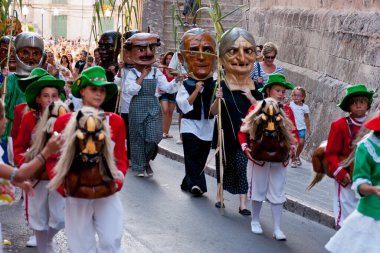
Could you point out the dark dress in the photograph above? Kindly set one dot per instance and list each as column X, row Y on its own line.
column 233, row 112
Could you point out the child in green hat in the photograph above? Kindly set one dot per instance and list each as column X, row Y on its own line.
column 11, row 175
column 343, row 131
column 361, row 230
column 268, row 177
column 88, row 216
column 44, row 208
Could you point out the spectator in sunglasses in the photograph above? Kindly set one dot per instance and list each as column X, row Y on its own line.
column 261, row 70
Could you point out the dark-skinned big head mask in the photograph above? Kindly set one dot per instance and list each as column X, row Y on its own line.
column 4, row 45
column 109, row 48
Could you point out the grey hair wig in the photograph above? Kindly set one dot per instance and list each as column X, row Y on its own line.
column 230, row 36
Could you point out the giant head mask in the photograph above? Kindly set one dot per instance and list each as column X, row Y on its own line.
column 237, row 51
column 142, row 47
column 127, row 53
column 29, row 48
column 109, row 48
column 198, row 50
column 4, row 45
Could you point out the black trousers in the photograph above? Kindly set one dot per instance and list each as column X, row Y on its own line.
column 196, row 152
column 126, row 122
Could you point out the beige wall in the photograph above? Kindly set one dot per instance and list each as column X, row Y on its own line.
column 322, row 49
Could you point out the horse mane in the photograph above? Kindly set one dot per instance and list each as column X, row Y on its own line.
column 68, row 152
column 44, row 128
column 362, row 134
column 255, row 119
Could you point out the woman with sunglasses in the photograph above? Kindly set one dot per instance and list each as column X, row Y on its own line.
column 261, row 70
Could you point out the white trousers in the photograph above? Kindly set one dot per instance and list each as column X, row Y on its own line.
column 45, row 208
column 267, row 182
column 344, row 202
column 87, row 217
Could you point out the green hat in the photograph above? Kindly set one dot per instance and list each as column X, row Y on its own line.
column 33, row 76
column 356, row 90
column 34, row 89
column 94, row 76
column 278, row 79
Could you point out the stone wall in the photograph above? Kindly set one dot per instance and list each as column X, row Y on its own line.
column 326, row 4
column 323, row 46
column 153, row 17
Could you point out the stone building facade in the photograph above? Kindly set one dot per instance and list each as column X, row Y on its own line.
column 323, row 46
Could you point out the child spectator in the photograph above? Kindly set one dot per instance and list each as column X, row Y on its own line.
column 191, row 7
column 301, row 113
column 356, row 102
column 89, row 62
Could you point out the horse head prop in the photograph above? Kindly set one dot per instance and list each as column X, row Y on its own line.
column 91, row 138
column 270, row 132
column 270, row 118
column 88, row 170
column 44, row 130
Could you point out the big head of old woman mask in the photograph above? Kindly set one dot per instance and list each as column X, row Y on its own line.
column 237, row 56
column 198, row 50
column 142, row 48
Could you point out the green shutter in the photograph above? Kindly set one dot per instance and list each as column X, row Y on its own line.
column 59, row 26
column 59, row 1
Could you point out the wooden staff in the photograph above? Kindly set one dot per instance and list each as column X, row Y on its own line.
column 220, row 139
column 120, row 91
column 4, row 87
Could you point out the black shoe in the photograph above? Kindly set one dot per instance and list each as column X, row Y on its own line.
column 219, row 205
column 184, row 187
column 149, row 170
column 196, row 190
column 244, row 211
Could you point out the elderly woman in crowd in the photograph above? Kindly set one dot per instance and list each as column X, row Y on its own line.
column 261, row 70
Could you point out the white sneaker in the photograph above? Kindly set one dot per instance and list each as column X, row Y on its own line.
column 293, row 164
column 256, row 228
column 140, row 174
column 179, row 142
column 32, row 241
column 279, row 235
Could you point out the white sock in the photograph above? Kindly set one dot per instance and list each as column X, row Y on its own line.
column 45, row 242
column 51, row 245
column 276, row 215
column 256, row 208
column 42, row 241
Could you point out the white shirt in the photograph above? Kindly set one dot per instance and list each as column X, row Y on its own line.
column 299, row 112
column 202, row 128
column 133, row 88
column 176, row 64
column 77, row 102
column 123, row 84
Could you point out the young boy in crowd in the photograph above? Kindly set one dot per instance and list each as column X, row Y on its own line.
column 89, row 62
